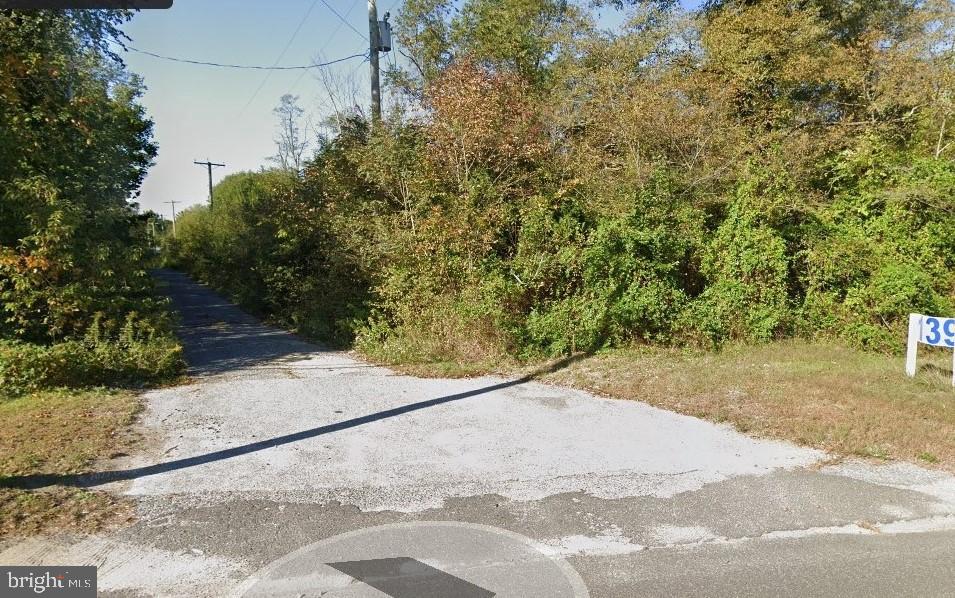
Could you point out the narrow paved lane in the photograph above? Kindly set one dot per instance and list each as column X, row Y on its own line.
column 277, row 444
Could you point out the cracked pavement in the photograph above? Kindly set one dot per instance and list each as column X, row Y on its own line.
column 276, row 443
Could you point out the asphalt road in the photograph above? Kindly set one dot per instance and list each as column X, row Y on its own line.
column 284, row 469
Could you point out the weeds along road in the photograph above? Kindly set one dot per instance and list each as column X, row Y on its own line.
column 276, row 445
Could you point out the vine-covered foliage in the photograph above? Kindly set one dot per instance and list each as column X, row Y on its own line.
column 74, row 146
column 753, row 170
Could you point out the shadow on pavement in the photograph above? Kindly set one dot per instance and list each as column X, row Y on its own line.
column 87, row 480
column 217, row 336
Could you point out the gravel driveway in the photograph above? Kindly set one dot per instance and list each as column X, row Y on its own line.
column 276, row 444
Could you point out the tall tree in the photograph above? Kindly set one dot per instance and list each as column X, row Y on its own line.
column 292, row 141
column 74, row 147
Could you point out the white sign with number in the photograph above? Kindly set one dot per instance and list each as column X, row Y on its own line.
column 929, row 330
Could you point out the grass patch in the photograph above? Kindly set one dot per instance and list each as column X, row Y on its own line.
column 826, row 396
column 62, row 432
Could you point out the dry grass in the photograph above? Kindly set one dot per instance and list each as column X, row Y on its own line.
column 826, row 396
column 445, row 368
column 61, row 432
column 25, row 513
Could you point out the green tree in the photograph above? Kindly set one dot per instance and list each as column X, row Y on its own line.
column 747, row 171
column 74, row 146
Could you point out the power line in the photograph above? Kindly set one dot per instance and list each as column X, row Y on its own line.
column 281, row 56
column 328, row 40
column 342, row 19
column 360, row 64
column 245, row 66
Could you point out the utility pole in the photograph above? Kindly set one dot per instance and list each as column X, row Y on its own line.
column 374, row 47
column 208, row 165
column 173, row 217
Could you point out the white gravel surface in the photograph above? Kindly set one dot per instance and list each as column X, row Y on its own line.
column 523, row 442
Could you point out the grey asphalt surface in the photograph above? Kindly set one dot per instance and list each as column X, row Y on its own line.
column 276, row 445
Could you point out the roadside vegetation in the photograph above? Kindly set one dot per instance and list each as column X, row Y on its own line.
column 78, row 312
column 749, row 172
column 818, row 394
column 718, row 181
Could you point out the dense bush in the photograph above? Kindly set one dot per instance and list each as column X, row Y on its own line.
column 745, row 266
column 134, row 358
column 884, row 248
column 77, row 305
column 629, row 276
column 747, row 172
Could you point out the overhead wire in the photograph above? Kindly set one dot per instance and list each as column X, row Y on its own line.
column 342, row 19
column 243, row 66
column 265, row 79
column 341, row 23
column 275, row 66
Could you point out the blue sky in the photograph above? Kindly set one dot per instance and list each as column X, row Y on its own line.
column 225, row 114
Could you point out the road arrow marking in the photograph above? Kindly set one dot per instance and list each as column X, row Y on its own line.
column 405, row 577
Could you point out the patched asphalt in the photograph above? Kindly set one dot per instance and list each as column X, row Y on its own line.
column 277, row 445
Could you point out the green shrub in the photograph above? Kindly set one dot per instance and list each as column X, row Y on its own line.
column 138, row 354
column 745, row 266
column 628, row 278
column 884, row 249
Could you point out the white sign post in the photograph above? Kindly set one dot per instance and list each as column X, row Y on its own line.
column 928, row 330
